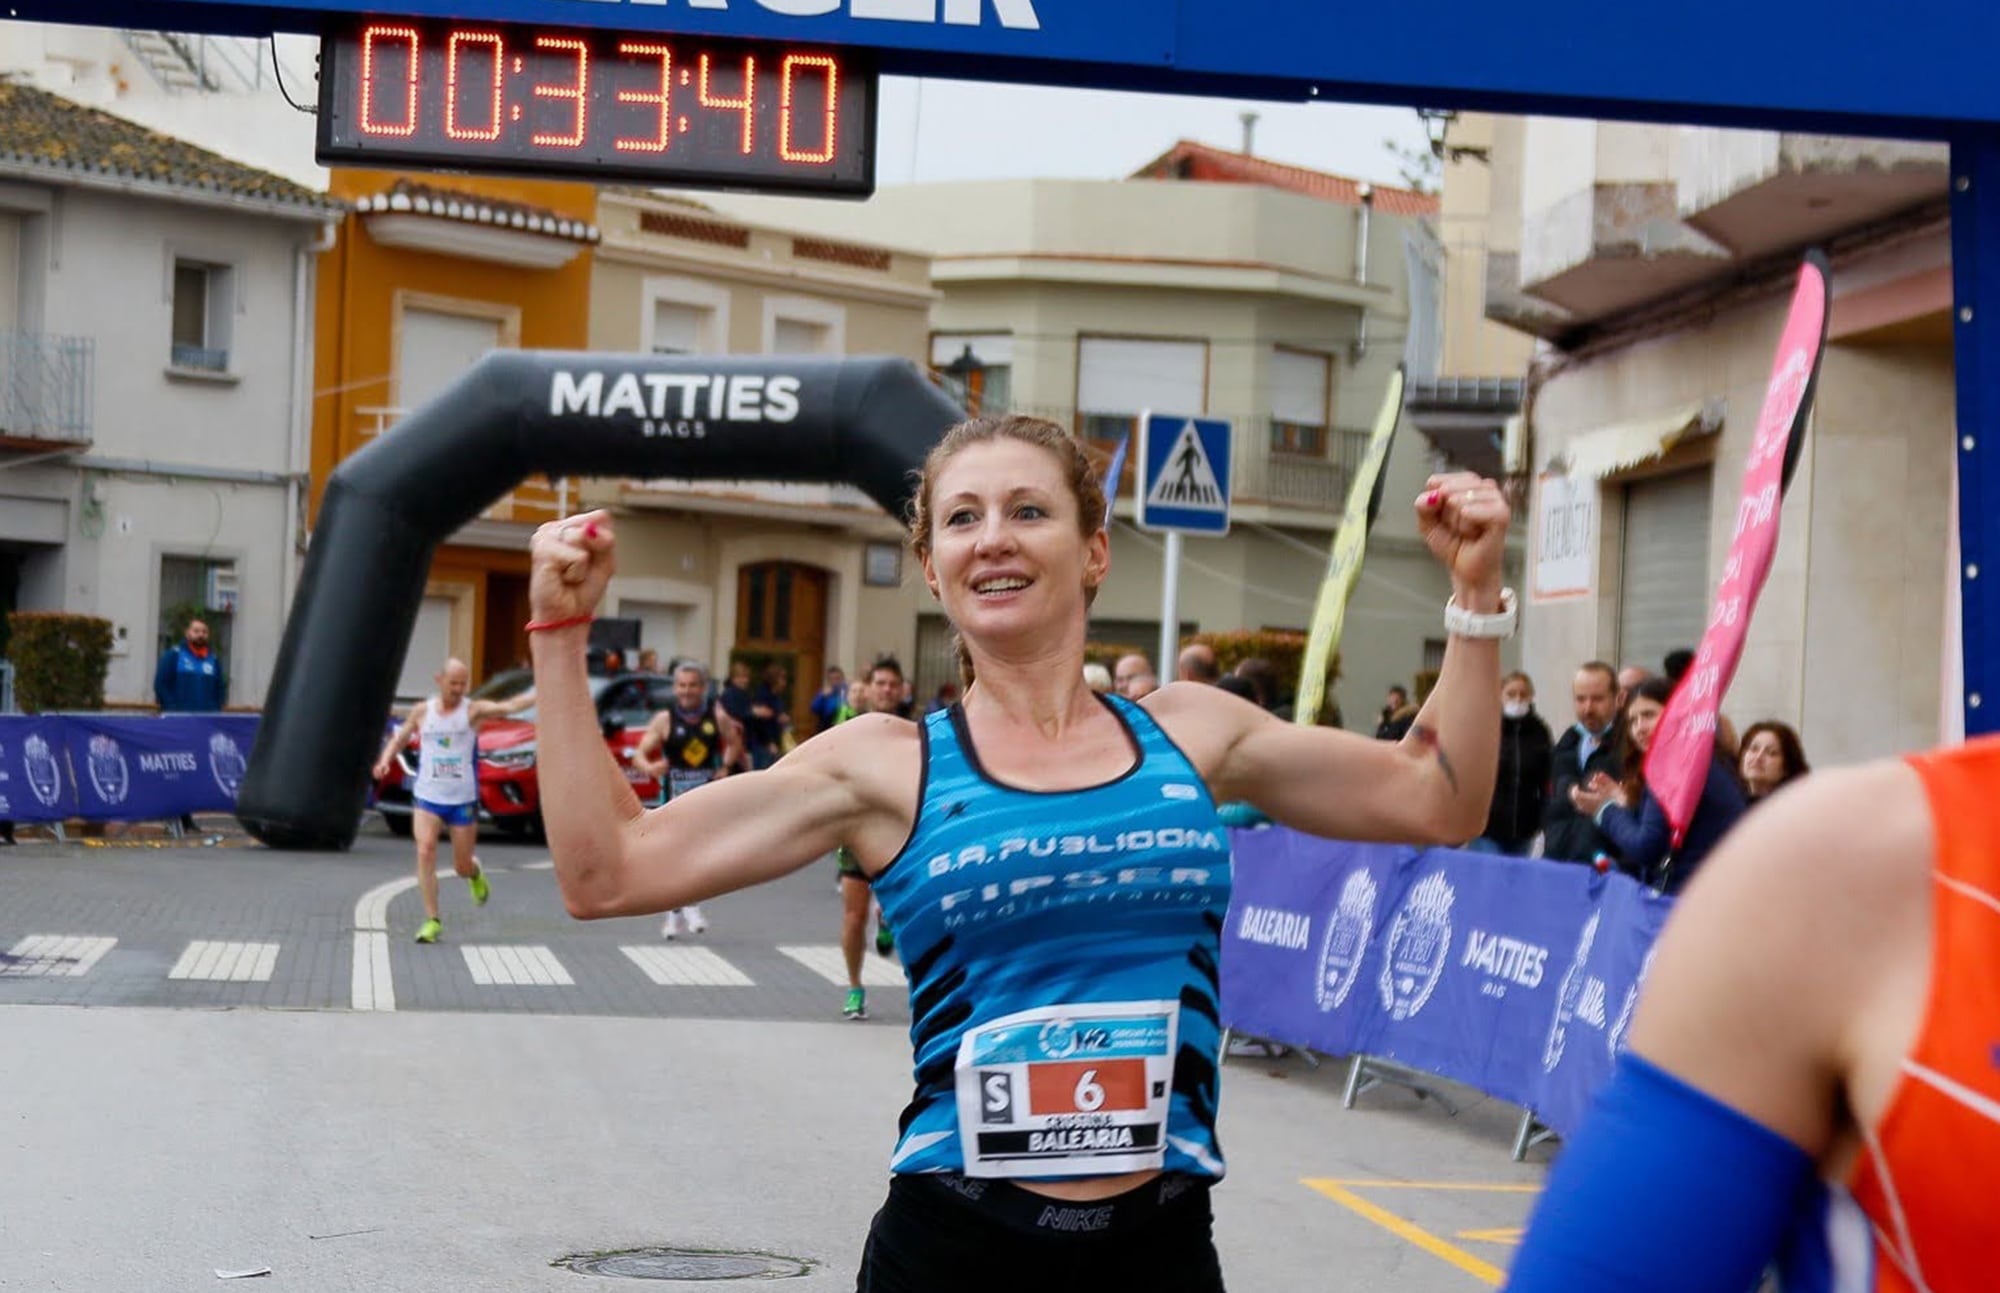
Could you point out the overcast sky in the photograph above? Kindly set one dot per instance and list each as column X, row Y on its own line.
column 953, row 130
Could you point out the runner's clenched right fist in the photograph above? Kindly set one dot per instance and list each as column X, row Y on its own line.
column 570, row 564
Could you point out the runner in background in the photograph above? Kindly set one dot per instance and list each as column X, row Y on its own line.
column 884, row 692
column 684, row 747
column 447, row 790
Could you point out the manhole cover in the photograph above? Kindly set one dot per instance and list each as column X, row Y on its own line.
column 681, row 1264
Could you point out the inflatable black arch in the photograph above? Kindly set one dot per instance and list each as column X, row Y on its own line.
column 863, row 422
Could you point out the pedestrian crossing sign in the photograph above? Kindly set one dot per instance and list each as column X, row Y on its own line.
column 1185, row 480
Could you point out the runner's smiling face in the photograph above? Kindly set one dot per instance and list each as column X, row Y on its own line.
column 1008, row 553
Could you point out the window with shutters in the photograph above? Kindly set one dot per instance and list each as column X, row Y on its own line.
column 1118, row 378
column 1663, row 594
column 1301, row 383
column 435, row 347
column 683, row 316
column 804, row 325
column 204, row 299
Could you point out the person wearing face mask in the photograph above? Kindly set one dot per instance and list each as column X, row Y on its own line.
column 1521, row 788
column 1634, row 820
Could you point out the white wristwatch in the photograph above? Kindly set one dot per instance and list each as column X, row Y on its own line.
column 1500, row 624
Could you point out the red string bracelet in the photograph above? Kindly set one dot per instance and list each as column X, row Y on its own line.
column 543, row 626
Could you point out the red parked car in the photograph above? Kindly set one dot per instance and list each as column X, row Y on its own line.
column 509, row 793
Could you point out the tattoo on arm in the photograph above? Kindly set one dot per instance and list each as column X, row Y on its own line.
column 1425, row 737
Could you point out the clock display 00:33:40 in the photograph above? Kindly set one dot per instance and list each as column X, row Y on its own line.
column 612, row 103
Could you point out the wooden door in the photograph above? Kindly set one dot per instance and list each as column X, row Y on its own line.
column 781, row 619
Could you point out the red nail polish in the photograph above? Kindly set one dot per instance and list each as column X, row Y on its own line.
column 591, row 530
column 1431, row 499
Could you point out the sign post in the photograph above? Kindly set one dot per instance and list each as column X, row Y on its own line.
column 1183, row 489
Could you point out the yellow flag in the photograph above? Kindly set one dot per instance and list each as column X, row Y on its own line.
column 1343, row 567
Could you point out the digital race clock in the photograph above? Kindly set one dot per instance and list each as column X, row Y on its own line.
column 651, row 107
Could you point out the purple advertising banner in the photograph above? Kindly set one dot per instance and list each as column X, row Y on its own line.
column 1515, row 976
column 35, row 785
column 103, row 767
column 143, row 768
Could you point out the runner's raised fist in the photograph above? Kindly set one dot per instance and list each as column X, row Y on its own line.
column 1464, row 518
column 570, row 562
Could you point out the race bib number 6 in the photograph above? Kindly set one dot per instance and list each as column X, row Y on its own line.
column 1068, row 1090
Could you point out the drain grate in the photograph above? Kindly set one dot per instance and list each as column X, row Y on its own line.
column 684, row 1264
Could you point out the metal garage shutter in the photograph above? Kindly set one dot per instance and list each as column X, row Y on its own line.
column 1664, row 601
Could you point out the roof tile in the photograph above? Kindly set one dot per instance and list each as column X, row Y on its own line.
column 1202, row 163
column 47, row 132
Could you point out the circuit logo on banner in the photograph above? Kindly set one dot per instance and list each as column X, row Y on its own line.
column 44, row 773
column 1184, row 480
column 1347, row 938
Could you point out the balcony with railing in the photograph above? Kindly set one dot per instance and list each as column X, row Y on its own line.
column 47, row 384
column 534, row 501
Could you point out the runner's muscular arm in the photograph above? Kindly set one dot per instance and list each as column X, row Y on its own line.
column 1328, row 782
column 403, row 732
column 1433, row 787
column 728, row 835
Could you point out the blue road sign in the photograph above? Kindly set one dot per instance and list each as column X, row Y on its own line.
column 1184, row 480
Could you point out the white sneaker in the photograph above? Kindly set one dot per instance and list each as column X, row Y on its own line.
column 672, row 925
column 696, row 922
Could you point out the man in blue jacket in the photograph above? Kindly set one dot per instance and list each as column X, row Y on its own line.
column 190, row 680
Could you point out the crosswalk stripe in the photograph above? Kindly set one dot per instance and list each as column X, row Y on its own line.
column 824, row 959
column 222, row 962
column 518, row 966
column 687, row 967
column 47, row 956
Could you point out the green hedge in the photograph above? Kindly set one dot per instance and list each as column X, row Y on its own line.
column 59, row 660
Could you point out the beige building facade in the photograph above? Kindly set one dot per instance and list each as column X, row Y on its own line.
column 1656, row 265
column 805, row 576
column 1088, row 302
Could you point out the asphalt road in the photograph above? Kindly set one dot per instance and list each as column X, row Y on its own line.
column 457, row 1117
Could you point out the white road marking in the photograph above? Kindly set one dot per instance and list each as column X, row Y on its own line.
column 824, row 959
column 520, row 966
column 373, row 988
column 226, row 962
column 54, row 956
column 546, row 864
column 687, row 967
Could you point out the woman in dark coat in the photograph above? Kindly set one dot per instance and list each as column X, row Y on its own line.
column 1521, row 788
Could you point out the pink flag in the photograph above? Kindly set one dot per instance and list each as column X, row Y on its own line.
column 1684, row 741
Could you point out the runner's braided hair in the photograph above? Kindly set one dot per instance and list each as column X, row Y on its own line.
column 1079, row 471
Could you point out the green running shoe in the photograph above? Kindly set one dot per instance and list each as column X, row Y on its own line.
column 481, row 890
column 428, row 931
column 857, row 1004
column 885, row 939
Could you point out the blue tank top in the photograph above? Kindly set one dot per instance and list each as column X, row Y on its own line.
column 1062, row 955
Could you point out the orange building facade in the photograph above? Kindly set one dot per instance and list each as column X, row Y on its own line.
column 425, row 278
